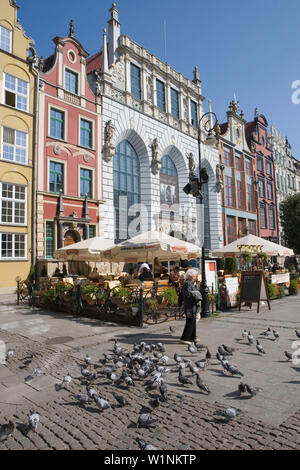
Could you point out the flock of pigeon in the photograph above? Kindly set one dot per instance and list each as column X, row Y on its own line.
column 147, row 364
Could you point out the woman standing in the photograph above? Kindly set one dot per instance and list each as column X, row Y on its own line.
column 191, row 299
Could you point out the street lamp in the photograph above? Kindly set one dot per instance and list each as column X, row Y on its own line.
column 207, row 123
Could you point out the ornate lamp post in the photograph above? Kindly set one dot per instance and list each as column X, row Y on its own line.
column 206, row 123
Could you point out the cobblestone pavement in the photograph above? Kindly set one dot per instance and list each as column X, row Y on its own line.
column 186, row 420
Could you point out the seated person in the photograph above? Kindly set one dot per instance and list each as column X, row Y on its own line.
column 165, row 275
column 129, row 277
column 174, row 275
column 157, row 268
column 146, row 275
column 94, row 275
column 58, row 273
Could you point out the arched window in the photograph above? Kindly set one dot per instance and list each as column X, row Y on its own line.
column 168, row 182
column 126, row 187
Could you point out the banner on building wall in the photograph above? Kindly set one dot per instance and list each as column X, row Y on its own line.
column 168, row 194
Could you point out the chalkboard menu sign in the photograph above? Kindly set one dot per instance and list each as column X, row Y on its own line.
column 253, row 288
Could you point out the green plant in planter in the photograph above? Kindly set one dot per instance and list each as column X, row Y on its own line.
column 151, row 304
column 101, row 297
column 120, row 295
column 281, row 292
column 170, row 297
column 89, row 289
column 294, row 288
column 272, row 289
column 230, row 265
column 49, row 296
column 63, row 288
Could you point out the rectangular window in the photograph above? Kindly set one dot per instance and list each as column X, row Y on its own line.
column 241, row 227
column 269, row 168
column 194, row 114
column 13, row 245
column 251, row 227
column 230, row 229
column 135, row 75
column 71, row 82
column 161, row 95
column 86, row 133
column 14, row 145
column 248, row 166
column 5, row 39
column 263, row 218
column 56, row 181
column 250, row 197
column 270, row 190
column 175, row 103
column 13, row 204
column 57, row 124
column 227, row 156
column 49, row 239
column 228, row 191
column 92, row 231
column 271, row 218
column 260, row 163
column 85, row 182
column 238, row 162
column 16, row 92
column 239, row 194
column 261, row 187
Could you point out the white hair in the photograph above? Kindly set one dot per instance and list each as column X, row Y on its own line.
column 191, row 273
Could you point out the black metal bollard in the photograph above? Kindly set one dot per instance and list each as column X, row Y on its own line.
column 141, row 307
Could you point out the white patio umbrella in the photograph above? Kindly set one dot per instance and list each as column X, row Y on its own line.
column 265, row 246
column 86, row 250
column 148, row 245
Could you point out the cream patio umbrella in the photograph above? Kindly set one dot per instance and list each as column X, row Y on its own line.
column 86, row 250
column 256, row 244
column 148, row 245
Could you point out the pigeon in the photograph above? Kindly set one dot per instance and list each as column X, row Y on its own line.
column 229, row 413
column 276, row 335
column 67, row 379
column 177, row 358
column 145, row 420
column 184, row 380
column 34, row 420
column 128, row 380
column 252, row 390
column 183, row 365
column 172, row 329
column 233, row 370
column 228, row 349
column 144, row 445
column 37, row 371
column 245, row 334
column 163, row 391
column 83, row 398
column 288, row 355
column 202, row 364
column 199, row 346
column 101, row 403
column 194, row 370
column 242, row 388
column 113, row 377
column 201, row 385
column 259, row 348
column 10, row 354
column 220, row 357
column 88, row 360
column 267, row 332
column 6, row 430
column 191, row 349
column 155, row 403
column 222, row 351
column 250, row 338
column 158, row 355
column 208, row 355
column 121, row 400
column 297, row 333
column 92, row 392
column 164, row 359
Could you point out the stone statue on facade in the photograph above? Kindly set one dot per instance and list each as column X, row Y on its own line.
column 219, row 177
column 192, row 165
column 71, row 30
column 156, row 163
column 109, row 149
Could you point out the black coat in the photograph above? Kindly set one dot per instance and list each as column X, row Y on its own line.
column 191, row 297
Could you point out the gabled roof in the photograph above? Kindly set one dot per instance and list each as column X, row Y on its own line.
column 59, row 40
column 94, row 62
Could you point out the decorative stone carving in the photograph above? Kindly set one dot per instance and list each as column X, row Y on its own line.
column 86, row 157
column 192, row 165
column 117, row 71
column 109, row 149
column 185, row 109
column 71, row 30
column 57, row 149
column 156, row 163
column 149, row 84
column 219, row 178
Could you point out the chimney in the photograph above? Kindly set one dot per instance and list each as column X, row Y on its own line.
column 113, row 35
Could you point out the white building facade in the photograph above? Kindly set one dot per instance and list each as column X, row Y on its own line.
column 150, row 119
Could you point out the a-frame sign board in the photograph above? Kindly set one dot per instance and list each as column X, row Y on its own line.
column 253, row 288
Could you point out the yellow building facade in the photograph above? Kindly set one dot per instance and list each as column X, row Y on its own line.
column 18, row 84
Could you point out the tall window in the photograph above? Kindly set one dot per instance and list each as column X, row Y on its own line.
column 86, row 133
column 270, row 190
column 14, row 145
column 250, row 197
column 168, row 181
column 227, row 156
column 13, row 204
column 263, row 216
column 5, row 39
column 126, row 187
column 71, row 81
column 230, row 229
column 251, row 227
column 161, row 95
column 228, row 191
column 56, row 182
column 135, row 75
column 261, row 187
column 49, row 239
column 16, row 92
column 57, row 124
column 271, row 218
column 241, row 226
column 260, row 163
column 269, row 168
column 86, row 182
column 13, row 245
column 194, row 114
column 238, row 162
column 92, row 231
column 175, row 103
column 239, row 194
column 248, row 166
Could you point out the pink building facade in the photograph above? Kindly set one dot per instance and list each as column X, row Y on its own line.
column 69, row 169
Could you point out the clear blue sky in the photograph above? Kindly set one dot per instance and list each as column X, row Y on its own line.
column 247, row 48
